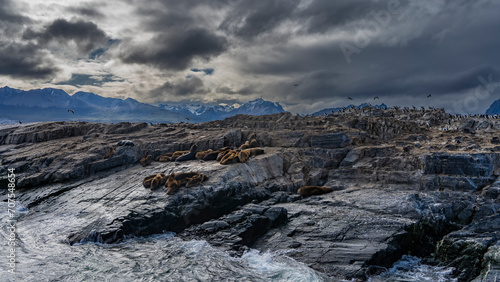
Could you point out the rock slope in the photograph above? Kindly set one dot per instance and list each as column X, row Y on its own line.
column 418, row 182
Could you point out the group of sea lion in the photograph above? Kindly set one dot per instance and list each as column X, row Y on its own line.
column 173, row 181
column 225, row 155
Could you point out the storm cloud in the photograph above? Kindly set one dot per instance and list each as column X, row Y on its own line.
column 176, row 51
column 85, row 34
column 305, row 54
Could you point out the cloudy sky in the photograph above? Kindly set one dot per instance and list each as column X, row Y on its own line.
column 305, row 54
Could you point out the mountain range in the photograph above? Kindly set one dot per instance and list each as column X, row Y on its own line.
column 51, row 104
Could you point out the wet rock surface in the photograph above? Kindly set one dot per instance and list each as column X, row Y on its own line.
column 404, row 182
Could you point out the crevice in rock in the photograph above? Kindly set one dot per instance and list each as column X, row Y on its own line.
column 421, row 239
column 183, row 212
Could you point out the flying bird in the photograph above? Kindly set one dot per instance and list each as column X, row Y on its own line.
column 376, row 97
column 349, row 98
column 430, row 95
column 20, row 122
column 187, row 118
column 71, row 111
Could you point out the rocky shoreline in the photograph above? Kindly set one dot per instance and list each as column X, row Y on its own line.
column 416, row 182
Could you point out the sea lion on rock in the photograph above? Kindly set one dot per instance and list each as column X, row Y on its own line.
column 147, row 181
column 307, row 191
column 202, row 154
column 212, row 156
column 189, row 156
column 179, row 153
column 195, row 180
column 254, row 143
column 110, row 153
column 245, row 145
column 159, row 180
column 176, row 180
column 222, row 154
column 247, row 153
column 230, row 157
column 146, row 160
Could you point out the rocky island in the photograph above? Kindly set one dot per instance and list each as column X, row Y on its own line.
column 417, row 182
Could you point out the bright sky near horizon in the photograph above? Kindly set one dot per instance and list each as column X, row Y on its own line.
column 305, row 54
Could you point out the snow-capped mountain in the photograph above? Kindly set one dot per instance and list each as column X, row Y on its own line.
column 54, row 105
column 212, row 112
column 494, row 109
column 258, row 107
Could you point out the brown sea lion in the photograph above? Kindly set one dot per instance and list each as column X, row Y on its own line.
column 188, row 156
column 244, row 155
column 254, row 143
column 163, row 159
column 222, row 154
column 146, row 160
column 147, row 181
column 158, row 181
column 229, row 158
column 202, row 154
column 176, row 180
column 179, row 153
column 110, row 153
column 197, row 179
column 212, row 156
column 245, row 145
column 307, row 191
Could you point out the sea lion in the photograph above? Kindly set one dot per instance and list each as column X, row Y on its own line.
column 176, row 180
column 222, row 154
column 254, row 143
column 146, row 160
column 195, row 180
column 188, row 156
column 163, row 159
column 307, row 191
column 147, row 181
column 245, row 145
column 202, row 154
column 244, row 155
column 158, row 181
column 230, row 157
column 110, row 153
column 212, row 156
column 179, row 153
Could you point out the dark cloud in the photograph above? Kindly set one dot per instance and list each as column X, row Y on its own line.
column 208, row 71
column 87, row 35
column 251, row 18
column 78, row 79
column 8, row 14
column 324, row 15
column 10, row 20
column 179, row 89
column 25, row 61
column 247, row 90
column 176, row 51
column 86, row 11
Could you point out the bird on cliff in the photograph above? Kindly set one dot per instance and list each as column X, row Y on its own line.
column 71, row 111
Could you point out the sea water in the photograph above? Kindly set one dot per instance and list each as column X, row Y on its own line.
column 165, row 257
